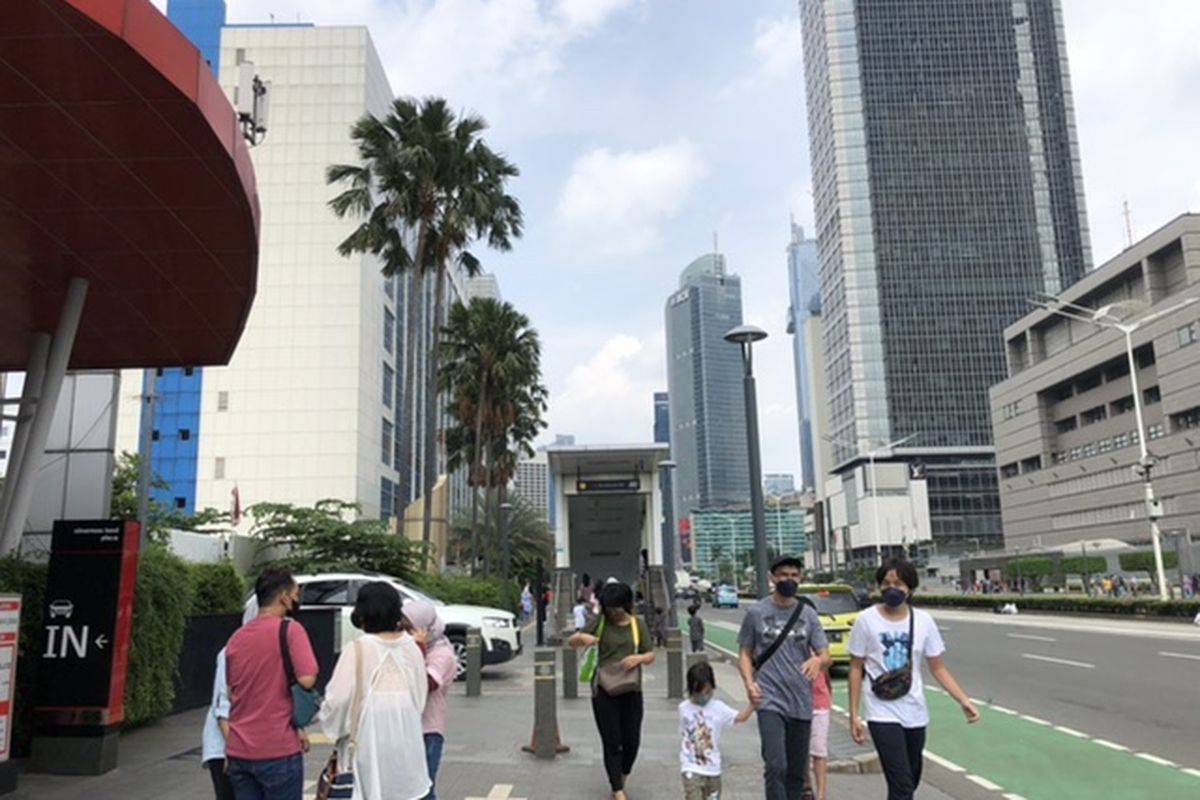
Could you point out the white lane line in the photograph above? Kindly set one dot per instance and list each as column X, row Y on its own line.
column 1071, row 732
column 838, row 708
column 729, row 626
column 985, row 783
column 944, row 763
column 1011, row 796
column 1004, row 710
column 1031, row 637
column 1111, row 745
column 1195, row 773
column 1064, row 661
column 1036, row 720
column 1156, row 760
column 1169, row 654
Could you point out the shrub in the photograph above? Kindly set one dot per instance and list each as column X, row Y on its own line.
column 1144, row 561
column 1079, row 565
column 215, row 589
column 1033, row 567
column 29, row 581
column 1141, row 607
column 161, row 604
column 490, row 592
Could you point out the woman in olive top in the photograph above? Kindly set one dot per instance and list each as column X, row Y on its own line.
column 624, row 646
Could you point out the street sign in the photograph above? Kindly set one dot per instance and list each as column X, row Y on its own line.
column 608, row 485
column 88, row 621
column 10, row 623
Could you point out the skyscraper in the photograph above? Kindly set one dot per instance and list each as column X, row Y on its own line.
column 804, row 290
column 704, row 382
column 947, row 190
column 662, row 417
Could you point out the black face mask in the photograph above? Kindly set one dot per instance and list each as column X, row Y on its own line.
column 787, row 588
column 291, row 608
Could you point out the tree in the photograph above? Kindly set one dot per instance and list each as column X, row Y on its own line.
column 530, row 538
column 427, row 170
column 124, row 503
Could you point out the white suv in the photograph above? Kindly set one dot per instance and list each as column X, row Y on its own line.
column 501, row 636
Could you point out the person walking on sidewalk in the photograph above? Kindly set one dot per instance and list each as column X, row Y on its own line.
column 701, row 720
column 778, row 669
column 264, row 750
column 216, row 725
column 819, row 742
column 695, row 629
column 441, row 665
column 887, row 643
column 375, row 699
column 624, row 646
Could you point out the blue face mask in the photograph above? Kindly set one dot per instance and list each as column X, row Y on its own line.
column 894, row 597
column 702, row 699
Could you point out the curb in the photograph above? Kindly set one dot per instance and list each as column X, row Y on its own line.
column 865, row 764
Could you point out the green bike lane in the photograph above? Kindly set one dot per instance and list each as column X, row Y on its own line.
column 1022, row 757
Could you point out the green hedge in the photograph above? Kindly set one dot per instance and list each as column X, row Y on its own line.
column 1141, row 607
column 215, row 589
column 1144, row 561
column 1034, row 567
column 161, row 604
column 491, row 592
column 29, row 581
column 1079, row 565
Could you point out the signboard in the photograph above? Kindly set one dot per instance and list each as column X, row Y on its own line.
column 87, row 624
column 608, row 485
column 10, row 623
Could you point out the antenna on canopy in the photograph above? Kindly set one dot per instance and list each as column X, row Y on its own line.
column 1128, row 222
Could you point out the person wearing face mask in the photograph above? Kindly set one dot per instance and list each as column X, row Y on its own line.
column 887, row 644
column 701, row 720
column 783, row 650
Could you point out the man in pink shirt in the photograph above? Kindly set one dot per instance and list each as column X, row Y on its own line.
column 264, row 751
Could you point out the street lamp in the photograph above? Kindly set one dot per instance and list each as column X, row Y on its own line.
column 665, row 467
column 1107, row 317
column 871, row 454
column 745, row 336
column 505, row 554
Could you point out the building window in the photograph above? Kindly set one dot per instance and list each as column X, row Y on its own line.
column 1031, row 464
column 1145, row 357
column 386, row 450
column 159, row 372
column 1012, row 409
column 185, row 435
column 389, row 330
column 189, row 371
column 387, row 499
column 1092, row 416
column 1088, row 382
column 389, row 384
column 1186, row 420
column 154, row 436
column 1189, row 334
column 181, row 502
column 1066, row 425
column 1122, row 406
column 1156, row 431
column 219, row 468
column 222, row 401
column 1009, row 470
column 1152, row 395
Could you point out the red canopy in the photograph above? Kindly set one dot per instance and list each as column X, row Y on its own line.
column 121, row 161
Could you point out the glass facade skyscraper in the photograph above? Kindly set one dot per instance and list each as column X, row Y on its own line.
column 804, row 290
column 947, row 191
column 704, row 382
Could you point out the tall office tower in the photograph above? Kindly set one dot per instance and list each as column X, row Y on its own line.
column 804, row 291
column 532, row 481
column 704, row 382
column 662, row 434
column 947, row 190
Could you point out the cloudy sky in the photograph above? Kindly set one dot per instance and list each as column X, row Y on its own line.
column 643, row 126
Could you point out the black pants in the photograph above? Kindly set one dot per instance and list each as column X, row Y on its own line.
column 619, row 720
column 220, row 779
column 698, row 645
column 901, row 753
column 785, row 754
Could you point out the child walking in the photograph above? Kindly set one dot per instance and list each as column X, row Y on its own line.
column 818, row 747
column 695, row 629
column 701, row 720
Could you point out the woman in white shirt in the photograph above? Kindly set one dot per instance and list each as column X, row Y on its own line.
column 888, row 642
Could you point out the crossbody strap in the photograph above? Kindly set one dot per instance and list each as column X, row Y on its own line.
column 286, row 651
column 356, row 703
column 912, row 639
column 779, row 640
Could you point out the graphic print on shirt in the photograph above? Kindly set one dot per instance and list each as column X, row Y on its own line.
column 895, row 650
column 698, row 740
column 773, row 626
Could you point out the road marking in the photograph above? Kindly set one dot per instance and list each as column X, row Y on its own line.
column 944, row 762
column 1169, row 654
column 501, row 791
column 1031, row 637
column 1071, row 732
column 729, row 626
column 1064, row 661
column 1140, row 629
column 838, row 708
column 1011, row 796
column 1036, row 720
column 985, row 783
column 1195, row 773
column 1003, row 710
column 1111, row 745
column 1156, row 760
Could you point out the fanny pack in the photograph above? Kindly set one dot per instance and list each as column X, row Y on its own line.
column 896, row 683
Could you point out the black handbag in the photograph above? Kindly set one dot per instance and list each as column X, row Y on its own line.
column 896, row 683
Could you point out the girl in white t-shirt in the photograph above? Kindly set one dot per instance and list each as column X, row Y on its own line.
column 701, row 720
column 889, row 638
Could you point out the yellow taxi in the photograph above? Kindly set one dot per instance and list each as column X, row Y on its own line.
column 837, row 606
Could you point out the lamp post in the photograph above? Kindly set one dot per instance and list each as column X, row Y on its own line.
column 871, row 454
column 665, row 467
column 505, row 549
column 745, row 336
column 1107, row 317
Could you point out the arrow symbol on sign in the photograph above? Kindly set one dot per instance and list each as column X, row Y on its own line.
column 101, row 640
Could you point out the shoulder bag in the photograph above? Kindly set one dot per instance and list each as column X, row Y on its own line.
column 335, row 783
column 305, row 702
column 591, row 657
column 614, row 679
column 896, row 683
column 765, row 656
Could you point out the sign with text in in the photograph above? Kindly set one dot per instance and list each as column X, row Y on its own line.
column 10, row 624
column 87, row 624
column 608, row 485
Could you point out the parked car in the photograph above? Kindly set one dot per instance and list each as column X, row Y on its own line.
column 725, row 596
column 500, row 633
column 838, row 607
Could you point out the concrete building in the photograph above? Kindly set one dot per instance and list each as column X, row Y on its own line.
column 724, row 538
column 485, row 285
column 704, row 381
column 947, row 191
column 532, row 481
column 779, row 484
column 804, row 290
column 1066, row 434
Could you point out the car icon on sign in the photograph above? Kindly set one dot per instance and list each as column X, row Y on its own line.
column 61, row 608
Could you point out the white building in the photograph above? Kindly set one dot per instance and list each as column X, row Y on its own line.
column 532, row 482
column 484, row 285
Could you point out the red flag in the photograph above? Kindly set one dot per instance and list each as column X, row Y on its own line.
column 236, row 513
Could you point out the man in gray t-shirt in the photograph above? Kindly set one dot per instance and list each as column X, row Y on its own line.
column 781, row 688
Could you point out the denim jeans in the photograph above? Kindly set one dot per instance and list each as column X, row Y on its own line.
column 276, row 779
column 433, row 759
column 901, row 756
column 785, row 754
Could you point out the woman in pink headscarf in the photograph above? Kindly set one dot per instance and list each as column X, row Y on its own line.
column 441, row 666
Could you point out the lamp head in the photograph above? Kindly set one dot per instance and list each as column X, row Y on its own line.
column 745, row 334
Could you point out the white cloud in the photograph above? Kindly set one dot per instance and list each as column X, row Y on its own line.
column 585, row 14
column 614, row 203
column 776, row 54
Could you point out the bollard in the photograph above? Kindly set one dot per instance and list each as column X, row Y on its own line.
column 474, row 662
column 570, row 673
column 545, row 712
column 674, row 664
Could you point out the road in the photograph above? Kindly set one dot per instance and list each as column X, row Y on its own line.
column 1073, row 708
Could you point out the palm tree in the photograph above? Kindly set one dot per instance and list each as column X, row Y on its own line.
column 425, row 171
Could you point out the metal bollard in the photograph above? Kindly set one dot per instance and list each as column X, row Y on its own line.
column 545, row 700
column 570, row 673
column 674, row 664
column 474, row 662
